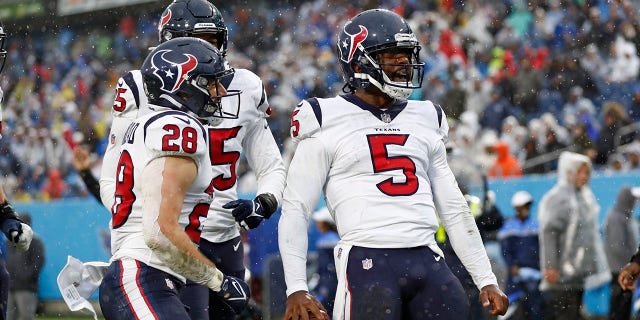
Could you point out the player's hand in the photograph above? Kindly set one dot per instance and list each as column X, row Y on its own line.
column 235, row 293
column 301, row 304
column 22, row 237
column 248, row 213
column 628, row 276
column 494, row 299
column 81, row 160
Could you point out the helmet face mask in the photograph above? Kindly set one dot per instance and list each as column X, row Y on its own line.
column 193, row 18
column 368, row 36
column 182, row 73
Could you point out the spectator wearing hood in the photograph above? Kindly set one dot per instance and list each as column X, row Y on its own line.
column 572, row 256
column 621, row 240
column 506, row 165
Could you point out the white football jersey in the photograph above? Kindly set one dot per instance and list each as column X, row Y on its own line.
column 129, row 102
column 228, row 140
column 157, row 134
column 373, row 166
column 385, row 178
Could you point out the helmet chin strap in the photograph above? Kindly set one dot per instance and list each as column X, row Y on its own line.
column 391, row 91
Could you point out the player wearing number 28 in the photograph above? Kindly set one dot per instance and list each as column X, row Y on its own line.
column 237, row 130
column 381, row 162
column 163, row 187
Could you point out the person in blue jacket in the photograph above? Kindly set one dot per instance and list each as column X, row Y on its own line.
column 519, row 241
column 325, row 290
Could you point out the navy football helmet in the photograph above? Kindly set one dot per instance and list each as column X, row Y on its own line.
column 188, row 18
column 367, row 35
column 178, row 74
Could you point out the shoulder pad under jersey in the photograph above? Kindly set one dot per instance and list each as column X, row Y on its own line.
column 129, row 95
column 174, row 133
column 252, row 88
column 306, row 119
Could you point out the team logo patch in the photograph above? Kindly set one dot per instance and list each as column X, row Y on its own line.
column 169, row 284
column 172, row 73
column 367, row 264
column 339, row 253
column 112, row 139
column 385, row 117
column 354, row 41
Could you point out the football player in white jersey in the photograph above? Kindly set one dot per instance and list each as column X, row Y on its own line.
column 16, row 231
column 381, row 162
column 164, row 188
column 240, row 130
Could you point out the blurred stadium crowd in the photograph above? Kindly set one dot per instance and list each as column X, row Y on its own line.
column 519, row 80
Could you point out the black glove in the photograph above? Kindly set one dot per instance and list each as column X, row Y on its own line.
column 235, row 293
column 250, row 213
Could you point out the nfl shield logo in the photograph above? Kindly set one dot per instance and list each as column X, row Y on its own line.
column 367, row 264
column 386, row 118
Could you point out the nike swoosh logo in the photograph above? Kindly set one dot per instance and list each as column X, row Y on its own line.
column 237, row 245
column 437, row 257
column 239, row 289
column 187, row 121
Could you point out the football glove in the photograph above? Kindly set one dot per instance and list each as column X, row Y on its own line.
column 13, row 228
column 235, row 293
column 250, row 213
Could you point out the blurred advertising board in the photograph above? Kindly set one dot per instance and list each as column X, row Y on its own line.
column 18, row 9
column 67, row 7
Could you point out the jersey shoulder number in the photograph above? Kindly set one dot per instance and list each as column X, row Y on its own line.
column 306, row 119
column 127, row 96
column 175, row 133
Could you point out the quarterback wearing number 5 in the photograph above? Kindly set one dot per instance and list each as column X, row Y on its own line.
column 380, row 160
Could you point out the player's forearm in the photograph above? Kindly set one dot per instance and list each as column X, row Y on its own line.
column 266, row 162
column 3, row 197
column 293, row 250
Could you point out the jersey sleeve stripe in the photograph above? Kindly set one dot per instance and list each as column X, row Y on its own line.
column 315, row 105
column 439, row 111
column 128, row 79
column 263, row 97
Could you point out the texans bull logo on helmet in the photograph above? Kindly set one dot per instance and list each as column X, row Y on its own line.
column 173, row 74
column 355, row 40
column 165, row 18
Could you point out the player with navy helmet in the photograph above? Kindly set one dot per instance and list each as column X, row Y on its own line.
column 381, row 162
column 164, row 188
column 241, row 128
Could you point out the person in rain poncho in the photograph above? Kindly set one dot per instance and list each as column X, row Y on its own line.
column 621, row 240
column 572, row 256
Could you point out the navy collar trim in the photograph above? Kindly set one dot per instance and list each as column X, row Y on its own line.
column 384, row 115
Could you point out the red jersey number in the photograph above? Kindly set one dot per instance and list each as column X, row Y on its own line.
column 124, row 196
column 219, row 156
column 383, row 162
column 119, row 103
column 194, row 228
column 295, row 124
column 187, row 138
